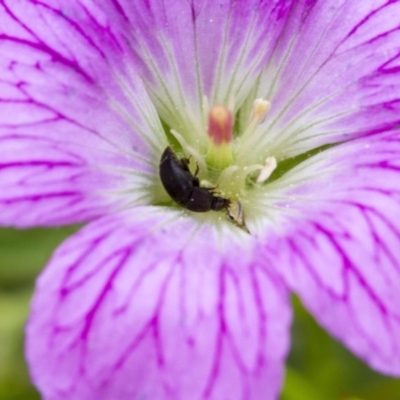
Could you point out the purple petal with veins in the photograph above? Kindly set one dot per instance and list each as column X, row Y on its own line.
column 185, row 320
column 187, row 49
column 151, row 301
column 73, row 138
column 340, row 250
column 334, row 74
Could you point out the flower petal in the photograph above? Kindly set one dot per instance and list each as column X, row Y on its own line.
column 72, row 131
column 341, row 241
column 131, row 307
column 335, row 74
column 187, row 49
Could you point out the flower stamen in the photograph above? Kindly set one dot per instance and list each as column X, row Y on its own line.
column 254, row 129
column 235, row 213
column 260, row 110
column 257, row 116
column 266, row 171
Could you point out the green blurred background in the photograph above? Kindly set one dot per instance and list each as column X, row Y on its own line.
column 318, row 368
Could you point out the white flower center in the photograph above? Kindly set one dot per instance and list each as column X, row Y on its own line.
column 225, row 157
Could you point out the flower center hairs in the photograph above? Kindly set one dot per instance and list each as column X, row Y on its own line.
column 217, row 174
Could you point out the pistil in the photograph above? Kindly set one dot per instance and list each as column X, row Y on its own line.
column 220, row 133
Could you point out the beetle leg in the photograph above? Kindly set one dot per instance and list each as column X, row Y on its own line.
column 185, row 163
column 197, row 170
column 195, row 179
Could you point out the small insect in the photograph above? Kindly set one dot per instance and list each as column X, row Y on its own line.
column 184, row 188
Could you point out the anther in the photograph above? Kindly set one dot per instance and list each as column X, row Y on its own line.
column 235, row 213
column 266, row 171
column 257, row 117
column 260, row 110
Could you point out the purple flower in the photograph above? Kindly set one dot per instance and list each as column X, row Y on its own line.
column 151, row 300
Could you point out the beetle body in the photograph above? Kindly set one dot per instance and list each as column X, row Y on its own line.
column 184, row 187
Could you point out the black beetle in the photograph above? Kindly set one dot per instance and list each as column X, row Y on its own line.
column 184, row 187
